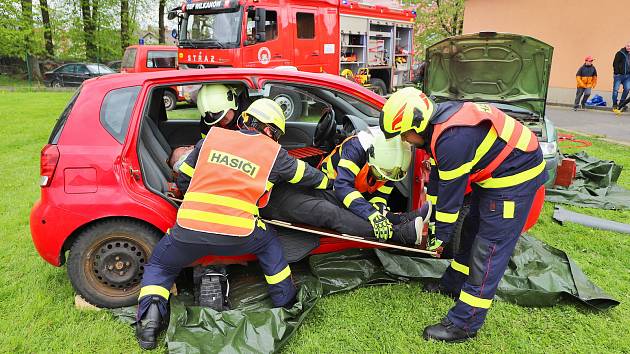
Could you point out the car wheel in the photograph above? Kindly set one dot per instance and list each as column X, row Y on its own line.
column 290, row 102
column 170, row 100
column 55, row 84
column 106, row 262
column 378, row 86
column 454, row 245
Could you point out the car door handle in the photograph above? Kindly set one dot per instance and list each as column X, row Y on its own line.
column 315, row 53
column 276, row 56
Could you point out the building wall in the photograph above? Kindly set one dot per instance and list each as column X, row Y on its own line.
column 575, row 28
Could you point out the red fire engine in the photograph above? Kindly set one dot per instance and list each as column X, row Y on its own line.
column 370, row 44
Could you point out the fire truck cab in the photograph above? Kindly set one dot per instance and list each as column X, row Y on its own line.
column 334, row 36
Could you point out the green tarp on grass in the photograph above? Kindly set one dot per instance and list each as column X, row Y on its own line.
column 595, row 185
column 537, row 275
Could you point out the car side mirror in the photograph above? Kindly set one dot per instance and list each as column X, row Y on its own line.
column 172, row 13
column 260, row 19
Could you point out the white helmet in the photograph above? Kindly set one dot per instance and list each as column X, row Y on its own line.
column 388, row 158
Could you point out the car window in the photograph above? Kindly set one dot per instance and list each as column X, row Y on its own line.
column 161, row 59
column 129, row 58
column 61, row 121
column 82, row 69
column 100, row 69
column 297, row 105
column 67, row 69
column 116, row 111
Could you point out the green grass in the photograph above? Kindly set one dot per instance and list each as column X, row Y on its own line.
column 37, row 301
column 17, row 82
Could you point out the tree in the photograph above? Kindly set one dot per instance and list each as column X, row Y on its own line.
column 50, row 51
column 29, row 42
column 89, row 11
column 161, row 21
column 124, row 24
column 436, row 20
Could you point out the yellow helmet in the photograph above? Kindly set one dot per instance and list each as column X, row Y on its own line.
column 214, row 101
column 405, row 110
column 265, row 111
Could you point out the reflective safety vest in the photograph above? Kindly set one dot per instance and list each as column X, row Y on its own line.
column 364, row 181
column 230, row 178
column 506, row 128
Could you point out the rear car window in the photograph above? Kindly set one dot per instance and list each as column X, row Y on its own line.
column 161, row 59
column 61, row 121
column 129, row 58
column 116, row 111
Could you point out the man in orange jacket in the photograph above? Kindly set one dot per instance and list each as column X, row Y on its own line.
column 586, row 78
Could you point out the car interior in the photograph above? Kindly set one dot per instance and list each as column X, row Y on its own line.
column 327, row 118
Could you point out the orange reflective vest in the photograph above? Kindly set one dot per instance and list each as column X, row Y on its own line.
column 364, row 181
column 512, row 132
column 230, row 178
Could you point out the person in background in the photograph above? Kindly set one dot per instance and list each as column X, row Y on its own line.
column 621, row 74
column 586, row 78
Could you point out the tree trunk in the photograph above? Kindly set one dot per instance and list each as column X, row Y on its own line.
column 50, row 51
column 88, row 30
column 161, row 28
column 124, row 24
column 27, row 31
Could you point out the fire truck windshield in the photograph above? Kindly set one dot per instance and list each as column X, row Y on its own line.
column 215, row 30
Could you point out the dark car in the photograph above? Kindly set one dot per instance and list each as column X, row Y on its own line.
column 74, row 74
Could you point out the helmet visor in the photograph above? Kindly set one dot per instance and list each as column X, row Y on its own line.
column 394, row 174
column 213, row 118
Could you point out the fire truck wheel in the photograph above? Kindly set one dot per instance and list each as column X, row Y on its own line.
column 378, row 86
column 170, row 100
column 290, row 102
column 107, row 261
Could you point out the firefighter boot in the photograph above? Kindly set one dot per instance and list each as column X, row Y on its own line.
column 148, row 327
column 424, row 212
column 410, row 233
column 447, row 331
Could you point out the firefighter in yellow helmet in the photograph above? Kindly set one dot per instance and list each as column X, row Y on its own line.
column 232, row 173
column 472, row 146
column 364, row 169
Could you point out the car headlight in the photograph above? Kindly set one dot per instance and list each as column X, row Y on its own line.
column 549, row 148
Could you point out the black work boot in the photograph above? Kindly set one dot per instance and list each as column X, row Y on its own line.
column 437, row 287
column 446, row 331
column 423, row 212
column 148, row 328
column 410, row 233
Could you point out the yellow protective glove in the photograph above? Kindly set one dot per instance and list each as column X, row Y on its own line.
column 383, row 229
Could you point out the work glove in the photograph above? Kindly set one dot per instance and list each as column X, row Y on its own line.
column 382, row 208
column 435, row 245
column 383, row 229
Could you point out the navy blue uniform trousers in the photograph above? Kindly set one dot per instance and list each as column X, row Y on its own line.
column 489, row 236
column 171, row 255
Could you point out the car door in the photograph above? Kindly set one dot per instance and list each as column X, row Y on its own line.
column 64, row 74
column 307, row 45
column 81, row 74
column 272, row 51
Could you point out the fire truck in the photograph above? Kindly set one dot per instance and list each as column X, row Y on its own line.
column 369, row 44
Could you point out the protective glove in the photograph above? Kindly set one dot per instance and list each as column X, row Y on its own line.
column 382, row 208
column 383, row 229
column 435, row 245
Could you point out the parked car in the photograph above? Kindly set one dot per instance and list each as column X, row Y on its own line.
column 115, row 65
column 74, row 74
column 508, row 70
column 146, row 58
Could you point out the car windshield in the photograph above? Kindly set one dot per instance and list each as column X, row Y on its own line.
column 212, row 30
column 99, row 68
column 361, row 106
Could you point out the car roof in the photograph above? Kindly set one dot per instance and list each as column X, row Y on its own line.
column 136, row 79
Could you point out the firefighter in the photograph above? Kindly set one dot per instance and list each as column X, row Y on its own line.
column 219, row 105
column 346, row 209
column 232, row 171
column 472, row 145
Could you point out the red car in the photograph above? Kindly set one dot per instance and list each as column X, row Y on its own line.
column 105, row 181
column 146, row 58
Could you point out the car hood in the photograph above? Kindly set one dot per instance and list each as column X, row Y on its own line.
column 491, row 67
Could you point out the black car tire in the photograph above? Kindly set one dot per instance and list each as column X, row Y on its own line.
column 106, row 262
column 378, row 86
column 170, row 100
column 55, row 84
column 290, row 102
column 454, row 245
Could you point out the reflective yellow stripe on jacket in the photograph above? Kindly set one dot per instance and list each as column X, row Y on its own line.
column 481, row 151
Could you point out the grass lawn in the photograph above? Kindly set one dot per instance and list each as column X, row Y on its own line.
column 37, row 300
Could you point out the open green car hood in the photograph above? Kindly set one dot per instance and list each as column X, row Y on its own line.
column 491, row 67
